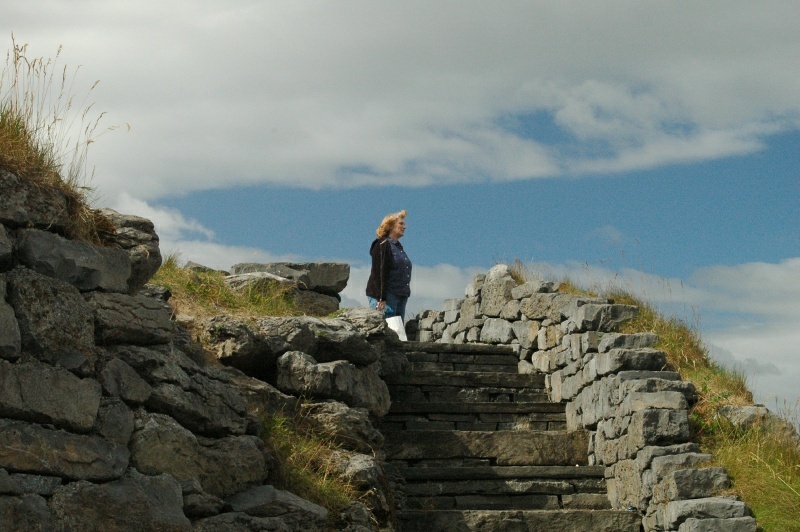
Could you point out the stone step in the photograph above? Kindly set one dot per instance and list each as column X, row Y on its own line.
column 502, row 472
column 477, row 408
column 503, row 447
column 466, row 366
column 472, row 394
column 474, row 422
column 466, row 358
column 472, row 348
column 520, row 520
column 508, row 501
column 533, row 381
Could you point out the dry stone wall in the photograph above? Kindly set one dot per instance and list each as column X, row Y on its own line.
column 110, row 419
column 616, row 386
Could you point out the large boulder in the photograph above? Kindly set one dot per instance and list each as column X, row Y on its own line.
column 301, row 374
column 56, row 325
column 124, row 319
column 323, row 277
column 135, row 502
column 138, row 238
column 349, row 427
column 34, row 449
column 40, row 393
column 267, row 501
column 496, row 290
column 80, row 264
column 223, row 466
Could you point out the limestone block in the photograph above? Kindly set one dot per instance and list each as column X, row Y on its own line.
column 510, row 310
column 324, row 277
column 451, row 316
column 654, row 385
column 124, row 319
column 266, row 501
column 474, row 288
column 473, row 334
column 744, row 416
column 205, row 406
column 657, row 427
column 545, row 306
column 82, row 265
column 590, row 341
column 676, row 512
column 23, row 203
column 626, row 341
column 426, row 336
column 153, row 365
column 737, row 524
column 691, row 484
column 602, row 317
column 530, row 288
column 526, row 368
column 148, row 503
column 636, row 401
column 548, row 337
column 300, row 374
column 35, row 449
column 120, row 380
column 56, row 325
column 496, row 290
column 40, row 393
column 314, row 303
column 114, row 421
column 254, row 281
column 137, row 236
column 349, row 427
column 629, row 359
column 223, row 466
column 425, row 324
column 10, row 339
column 527, row 333
column 497, row 331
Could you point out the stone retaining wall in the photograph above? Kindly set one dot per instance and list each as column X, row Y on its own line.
column 614, row 385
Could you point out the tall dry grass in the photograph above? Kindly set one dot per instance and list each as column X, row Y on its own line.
column 46, row 131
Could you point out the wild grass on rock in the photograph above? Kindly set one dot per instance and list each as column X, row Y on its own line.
column 305, row 464
column 45, row 134
column 205, row 294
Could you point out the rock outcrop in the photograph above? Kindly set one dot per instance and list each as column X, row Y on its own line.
column 108, row 421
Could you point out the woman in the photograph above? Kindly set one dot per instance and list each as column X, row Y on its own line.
column 388, row 287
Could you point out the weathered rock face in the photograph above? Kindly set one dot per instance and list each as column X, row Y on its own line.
column 323, row 277
column 255, row 350
column 55, row 323
column 82, row 265
column 301, row 374
column 138, row 238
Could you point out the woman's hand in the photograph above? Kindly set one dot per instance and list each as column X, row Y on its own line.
column 381, row 305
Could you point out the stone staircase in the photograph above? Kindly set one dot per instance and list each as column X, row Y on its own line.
column 482, row 448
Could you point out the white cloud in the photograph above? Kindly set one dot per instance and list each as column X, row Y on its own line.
column 318, row 94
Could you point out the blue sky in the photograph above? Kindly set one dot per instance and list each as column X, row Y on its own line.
column 652, row 145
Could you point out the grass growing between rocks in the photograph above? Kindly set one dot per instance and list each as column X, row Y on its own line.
column 39, row 118
column 205, row 294
column 305, row 465
column 763, row 461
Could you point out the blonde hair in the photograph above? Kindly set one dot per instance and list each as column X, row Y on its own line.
column 388, row 223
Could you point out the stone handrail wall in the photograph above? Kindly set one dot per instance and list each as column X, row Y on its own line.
column 615, row 386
